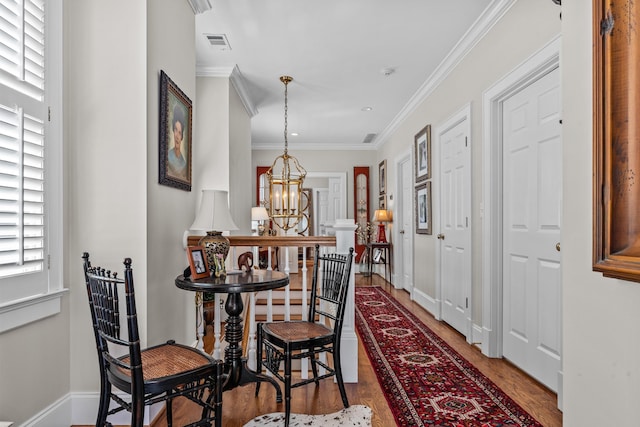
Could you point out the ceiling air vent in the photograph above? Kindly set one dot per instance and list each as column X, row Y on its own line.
column 370, row 137
column 218, row 41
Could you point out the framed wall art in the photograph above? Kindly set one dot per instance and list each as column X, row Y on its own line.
column 422, row 142
column 198, row 262
column 423, row 208
column 382, row 176
column 382, row 202
column 175, row 135
column 616, row 147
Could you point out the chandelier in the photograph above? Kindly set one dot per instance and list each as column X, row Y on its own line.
column 285, row 181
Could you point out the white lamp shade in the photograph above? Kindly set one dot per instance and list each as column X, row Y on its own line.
column 259, row 214
column 214, row 214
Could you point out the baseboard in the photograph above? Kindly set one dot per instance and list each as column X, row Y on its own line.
column 427, row 302
column 85, row 410
column 476, row 335
column 58, row 414
column 82, row 409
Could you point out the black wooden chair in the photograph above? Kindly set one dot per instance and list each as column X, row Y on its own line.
column 155, row 374
column 291, row 340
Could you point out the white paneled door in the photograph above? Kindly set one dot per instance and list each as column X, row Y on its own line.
column 532, row 212
column 405, row 275
column 455, row 231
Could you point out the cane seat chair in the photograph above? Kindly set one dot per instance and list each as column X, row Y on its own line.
column 151, row 375
column 285, row 341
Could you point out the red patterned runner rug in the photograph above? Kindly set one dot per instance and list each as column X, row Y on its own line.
column 425, row 381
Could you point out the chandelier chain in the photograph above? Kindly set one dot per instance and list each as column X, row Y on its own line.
column 286, row 114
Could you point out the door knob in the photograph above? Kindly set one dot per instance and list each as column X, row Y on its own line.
column 440, row 236
column 401, row 231
column 558, row 246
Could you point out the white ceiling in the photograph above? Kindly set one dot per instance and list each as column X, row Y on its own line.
column 337, row 52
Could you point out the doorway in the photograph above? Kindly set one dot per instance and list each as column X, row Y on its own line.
column 454, row 176
column 512, row 279
column 403, row 252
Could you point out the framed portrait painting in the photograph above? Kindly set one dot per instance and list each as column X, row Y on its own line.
column 382, row 177
column 175, row 135
column 423, row 208
column 422, row 142
column 198, row 262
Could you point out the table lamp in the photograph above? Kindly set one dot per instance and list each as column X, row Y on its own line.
column 260, row 215
column 214, row 218
column 381, row 216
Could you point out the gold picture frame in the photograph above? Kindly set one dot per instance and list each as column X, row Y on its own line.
column 175, row 135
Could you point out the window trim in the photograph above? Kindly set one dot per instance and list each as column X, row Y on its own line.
column 14, row 314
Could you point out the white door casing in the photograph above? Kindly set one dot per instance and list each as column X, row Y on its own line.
column 403, row 256
column 321, row 208
column 539, row 64
column 532, row 213
column 454, row 147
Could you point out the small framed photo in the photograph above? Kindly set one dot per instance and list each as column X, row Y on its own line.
column 175, row 135
column 382, row 202
column 377, row 256
column 382, row 176
column 423, row 208
column 198, row 262
column 422, row 154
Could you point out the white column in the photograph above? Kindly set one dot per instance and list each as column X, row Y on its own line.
column 345, row 239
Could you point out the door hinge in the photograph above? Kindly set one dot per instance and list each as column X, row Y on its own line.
column 467, row 221
column 49, row 113
column 48, row 262
column 467, row 302
column 466, row 141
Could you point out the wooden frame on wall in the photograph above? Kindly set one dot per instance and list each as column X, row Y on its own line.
column 422, row 154
column 175, row 135
column 382, row 177
column 423, row 208
column 616, row 148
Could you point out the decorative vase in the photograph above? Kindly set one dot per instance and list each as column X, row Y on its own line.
column 219, row 269
column 363, row 265
column 216, row 244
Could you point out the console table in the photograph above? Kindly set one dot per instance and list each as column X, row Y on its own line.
column 385, row 258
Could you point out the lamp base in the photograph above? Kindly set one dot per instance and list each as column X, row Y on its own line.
column 382, row 235
column 216, row 247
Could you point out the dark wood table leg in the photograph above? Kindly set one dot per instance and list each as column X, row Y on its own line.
column 235, row 365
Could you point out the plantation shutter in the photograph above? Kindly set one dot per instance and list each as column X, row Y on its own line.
column 22, row 124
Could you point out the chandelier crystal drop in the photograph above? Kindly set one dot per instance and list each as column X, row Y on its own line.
column 285, row 177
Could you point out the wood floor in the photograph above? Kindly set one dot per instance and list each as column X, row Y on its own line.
column 240, row 405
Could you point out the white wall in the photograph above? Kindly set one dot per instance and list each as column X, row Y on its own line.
column 106, row 155
column 499, row 52
column 170, row 46
column 601, row 316
column 241, row 199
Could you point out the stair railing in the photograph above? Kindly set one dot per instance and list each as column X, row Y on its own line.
column 342, row 237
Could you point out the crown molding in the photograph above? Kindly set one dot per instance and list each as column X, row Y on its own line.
column 237, row 80
column 489, row 18
column 313, row 147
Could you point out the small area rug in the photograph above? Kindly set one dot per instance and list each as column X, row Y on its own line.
column 425, row 381
column 353, row 416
